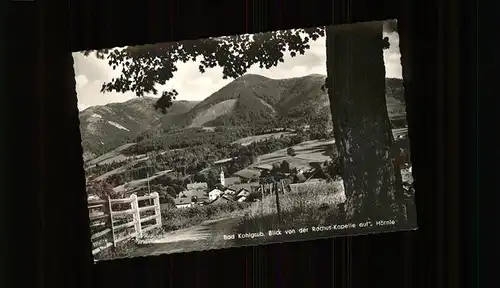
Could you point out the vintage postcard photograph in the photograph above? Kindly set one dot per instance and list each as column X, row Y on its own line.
column 245, row 140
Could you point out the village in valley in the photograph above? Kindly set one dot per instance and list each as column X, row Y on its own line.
column 307, row 163
column 239, row 187
column 281, row 171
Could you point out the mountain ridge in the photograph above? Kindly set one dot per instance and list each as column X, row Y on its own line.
column 243, row 102
column 106, row 127
column 275, row 97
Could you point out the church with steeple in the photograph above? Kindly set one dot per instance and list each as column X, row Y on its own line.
column 222, row 178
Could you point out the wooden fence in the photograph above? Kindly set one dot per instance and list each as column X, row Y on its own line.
column 114, row 225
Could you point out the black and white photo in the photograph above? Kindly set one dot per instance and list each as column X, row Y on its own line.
column 245, row 140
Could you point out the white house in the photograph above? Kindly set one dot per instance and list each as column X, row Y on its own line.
column 242, row 195
column 92, row 198
column 214, row 194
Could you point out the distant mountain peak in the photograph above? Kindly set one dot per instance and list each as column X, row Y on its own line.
column 251, row 78
column 251, row 75
column 256, row 78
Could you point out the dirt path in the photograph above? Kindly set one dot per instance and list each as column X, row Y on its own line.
column 206, row 235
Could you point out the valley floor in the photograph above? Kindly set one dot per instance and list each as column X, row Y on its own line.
column 315, row 206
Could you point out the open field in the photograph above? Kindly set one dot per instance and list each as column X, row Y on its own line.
column 250, row 139
column 217, row 110
column 139, row 183
column 116, row 156
column 120, row 169
column 316, row 205
column 307, row 152
column 314, row 151
column 112, row 156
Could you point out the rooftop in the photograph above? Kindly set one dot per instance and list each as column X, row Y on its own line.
column 197, row 186
column 243, row 193
column 247, row 186
column 200, row 194
column 221, row 199
column 264, row 167
column 182, row 201
column 316, row 180
column 215, row 191
column 223, row 161
column 232, row 180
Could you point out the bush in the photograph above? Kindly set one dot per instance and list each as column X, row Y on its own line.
column 332, row 167
column 254, row 196
column 102, row 189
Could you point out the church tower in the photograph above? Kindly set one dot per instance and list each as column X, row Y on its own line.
column 222, row 179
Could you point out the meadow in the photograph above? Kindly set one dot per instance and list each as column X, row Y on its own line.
column 178, row 218
column 311, row 205
column 256, row 138
column 306, row 152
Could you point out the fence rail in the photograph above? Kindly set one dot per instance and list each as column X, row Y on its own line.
column 114, row 223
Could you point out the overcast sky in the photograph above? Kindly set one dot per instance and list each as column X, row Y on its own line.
column 91, row 73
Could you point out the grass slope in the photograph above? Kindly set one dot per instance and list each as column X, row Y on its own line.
column 213, row 112
column 314, row 205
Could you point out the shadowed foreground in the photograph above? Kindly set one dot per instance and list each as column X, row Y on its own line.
column 206, row 235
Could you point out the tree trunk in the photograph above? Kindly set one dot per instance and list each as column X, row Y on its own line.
column 362, row 130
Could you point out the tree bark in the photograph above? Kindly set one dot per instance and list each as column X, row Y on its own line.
column 362, row 130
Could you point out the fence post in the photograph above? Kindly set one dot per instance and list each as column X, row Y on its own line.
column 278, row 208
column 137, row 216
column 156, row 201
column 109, row 210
